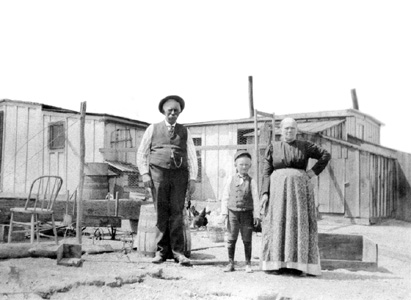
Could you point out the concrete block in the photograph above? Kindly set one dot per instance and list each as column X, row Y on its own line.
column 69, row 255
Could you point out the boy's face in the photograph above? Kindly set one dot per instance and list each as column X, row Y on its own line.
column 243, row 164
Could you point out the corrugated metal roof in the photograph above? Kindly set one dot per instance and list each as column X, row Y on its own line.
column 123, row 167
column 319, row 126
column 309, row 127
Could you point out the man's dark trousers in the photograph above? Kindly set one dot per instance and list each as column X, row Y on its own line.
column 170, row 187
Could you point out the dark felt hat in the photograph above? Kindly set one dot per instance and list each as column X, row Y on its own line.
column 172, row 97
column 240, row 153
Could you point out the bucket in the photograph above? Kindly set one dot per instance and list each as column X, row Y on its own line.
column 145, row 241
column 96, row 181
column 216, row 234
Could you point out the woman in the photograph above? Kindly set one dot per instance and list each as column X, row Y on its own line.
column 289, row 234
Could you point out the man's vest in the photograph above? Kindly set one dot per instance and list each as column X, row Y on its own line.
column 241, row 198
column 169, row 152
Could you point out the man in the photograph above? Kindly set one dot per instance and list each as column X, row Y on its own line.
column 167, row 162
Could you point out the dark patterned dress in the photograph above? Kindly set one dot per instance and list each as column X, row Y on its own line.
column 289, row 231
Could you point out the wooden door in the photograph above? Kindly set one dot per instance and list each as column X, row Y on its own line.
column 331, row 193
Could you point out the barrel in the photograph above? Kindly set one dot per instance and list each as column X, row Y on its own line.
column 145, row 241
column 187, row 234
column 95, row 181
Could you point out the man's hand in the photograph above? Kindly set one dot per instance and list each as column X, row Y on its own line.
column 257, row 222
column 148, row 183
column 224, row 220
column 191, row 186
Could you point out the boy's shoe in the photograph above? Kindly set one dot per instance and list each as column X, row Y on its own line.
column 248, row 269
column 184, row 261
column 158, row 259
column 230, row 267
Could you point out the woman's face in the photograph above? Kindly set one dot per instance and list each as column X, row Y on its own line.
column 289, row 130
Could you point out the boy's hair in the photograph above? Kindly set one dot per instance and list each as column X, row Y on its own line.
column 241, row 153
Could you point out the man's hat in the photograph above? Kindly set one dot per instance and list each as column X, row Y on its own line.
column 241, row 153
column 172, row 97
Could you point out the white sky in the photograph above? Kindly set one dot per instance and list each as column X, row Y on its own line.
column 122, row 57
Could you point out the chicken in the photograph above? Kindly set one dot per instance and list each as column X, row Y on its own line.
column 200, row 219
column 194, row 211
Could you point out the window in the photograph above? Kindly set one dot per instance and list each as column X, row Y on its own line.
column 56, row 136
column 133, row 180
column 197, row 142
column 242, row 137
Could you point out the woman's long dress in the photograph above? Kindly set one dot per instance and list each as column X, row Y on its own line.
column 289, row 231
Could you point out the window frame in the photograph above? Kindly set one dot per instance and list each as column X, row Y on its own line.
column 198, row 141
column 51, row 138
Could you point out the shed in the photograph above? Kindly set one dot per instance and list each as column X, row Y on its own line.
column 364, row 181
column 38, row 139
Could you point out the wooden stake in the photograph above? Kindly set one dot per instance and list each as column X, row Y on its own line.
column 256, row 150
column 82, row 157
column 354, row 100
column 250, row 95
column 117, row 205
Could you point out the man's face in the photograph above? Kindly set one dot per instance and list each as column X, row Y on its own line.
column 243, row 164
column 171, row 109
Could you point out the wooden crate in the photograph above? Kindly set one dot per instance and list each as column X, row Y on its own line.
column 343, row 251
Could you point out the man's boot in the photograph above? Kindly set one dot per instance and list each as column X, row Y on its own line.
column 247, row 251
column 231, row 252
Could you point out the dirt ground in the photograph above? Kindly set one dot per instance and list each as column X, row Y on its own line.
column 121, row 275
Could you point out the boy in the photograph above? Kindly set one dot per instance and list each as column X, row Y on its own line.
column 240, row 208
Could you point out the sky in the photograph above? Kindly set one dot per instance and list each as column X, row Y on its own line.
column 123, row 57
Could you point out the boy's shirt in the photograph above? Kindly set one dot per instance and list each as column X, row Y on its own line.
column 226, row 196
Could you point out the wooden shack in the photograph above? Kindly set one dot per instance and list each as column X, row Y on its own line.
column 364, row 180
column 38, row 139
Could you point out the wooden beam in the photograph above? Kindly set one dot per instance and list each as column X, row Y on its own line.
column 250, row 95
column 249, row 147
column 81, row 184
column 256, row 149
column 264, row 114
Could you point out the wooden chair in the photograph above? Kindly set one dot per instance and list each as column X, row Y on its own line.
column 44, row 190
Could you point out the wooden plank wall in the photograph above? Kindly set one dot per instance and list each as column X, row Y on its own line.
column 110, row 132
column 26, row 155
column 63, row 162
column 337, row 132
column 21, row 133
column 356, row 183
column 219, row 144
column 370, row 130
column 211, row 170
column 403, row 203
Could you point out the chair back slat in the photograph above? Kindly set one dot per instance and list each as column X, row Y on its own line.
column 44, row 190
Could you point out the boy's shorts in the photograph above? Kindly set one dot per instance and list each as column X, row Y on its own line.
column 240, row 221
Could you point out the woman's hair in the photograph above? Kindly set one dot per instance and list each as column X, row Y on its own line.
column 286, row 120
